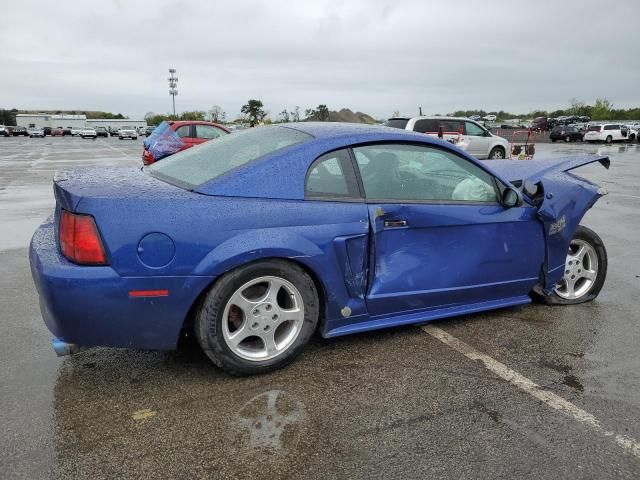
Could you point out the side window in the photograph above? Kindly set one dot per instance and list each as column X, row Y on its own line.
column 425, row 126
column 184, row 131
column 207, row 131
column 400, row 172
column 473, row 129
column 332, row 176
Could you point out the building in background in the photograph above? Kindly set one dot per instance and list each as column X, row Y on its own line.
column 41, row 120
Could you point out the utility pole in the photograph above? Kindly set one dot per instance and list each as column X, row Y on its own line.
column 420, row 110
column 173, row 88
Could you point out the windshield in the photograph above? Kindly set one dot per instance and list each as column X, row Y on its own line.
column 397, row 122
column 209, row 160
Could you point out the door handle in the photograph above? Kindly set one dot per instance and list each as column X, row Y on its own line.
column 395, row 223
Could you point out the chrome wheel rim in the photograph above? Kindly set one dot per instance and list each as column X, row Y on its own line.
column 263, row 318
column 497, row 155
column 580, row 271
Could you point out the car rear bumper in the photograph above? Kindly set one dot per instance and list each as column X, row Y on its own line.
column 93, row 306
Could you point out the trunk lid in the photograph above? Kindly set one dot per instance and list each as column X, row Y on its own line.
column 71, row 186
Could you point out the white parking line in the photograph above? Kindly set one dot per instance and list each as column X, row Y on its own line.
column 550, row 399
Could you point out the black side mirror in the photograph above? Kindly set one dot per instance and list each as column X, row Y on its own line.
column 510, row 197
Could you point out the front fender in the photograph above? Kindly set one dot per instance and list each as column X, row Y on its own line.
column 567, row 198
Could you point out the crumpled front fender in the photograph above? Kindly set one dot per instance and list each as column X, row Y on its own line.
column 567, row 199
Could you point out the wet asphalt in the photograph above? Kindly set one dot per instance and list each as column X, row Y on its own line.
column 390, row 404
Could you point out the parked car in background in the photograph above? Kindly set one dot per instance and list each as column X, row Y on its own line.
column 141, row 130
column 4, row 131
column 489, row 118
column 57, row 132
column 258, row 240
column 541, row 124
column 19, row 131
column 47, row 131
column 149, row 130
column 36, row 132
column 474, row 138
column 102, row 132
column 606, row 132
column 113, row 131
column 88, row 132
column 126, row 131
column 191, row 133
column 565, row 133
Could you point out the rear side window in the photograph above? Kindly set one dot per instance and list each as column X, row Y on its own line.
column 184, row 131
column 425, row 126
column 595, row 128
column 332, row 176
column 397, row 123
column 200, row 164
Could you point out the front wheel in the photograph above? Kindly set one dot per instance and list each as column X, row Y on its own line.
column 257, row 318
column 585, row 270
column 496, row 153
column 609, row 139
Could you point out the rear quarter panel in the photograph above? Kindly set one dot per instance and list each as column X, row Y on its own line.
column 213, row 235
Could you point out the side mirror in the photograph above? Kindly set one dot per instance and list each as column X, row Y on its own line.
column 510, row 197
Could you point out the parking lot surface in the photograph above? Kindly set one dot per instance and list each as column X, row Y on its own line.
column 404, row 403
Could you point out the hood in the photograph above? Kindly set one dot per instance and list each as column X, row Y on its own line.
column 534, row 170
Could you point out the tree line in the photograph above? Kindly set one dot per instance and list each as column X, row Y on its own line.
column 602, row 109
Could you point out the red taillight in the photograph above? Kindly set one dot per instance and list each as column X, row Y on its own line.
column 79, row 239
column 147, row 157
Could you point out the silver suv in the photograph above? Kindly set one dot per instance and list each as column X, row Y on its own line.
column 467, row 135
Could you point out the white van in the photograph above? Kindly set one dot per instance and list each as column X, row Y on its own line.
column 471, row 137
column 606, row 132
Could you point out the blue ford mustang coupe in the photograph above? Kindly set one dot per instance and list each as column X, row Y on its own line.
column 258, row 239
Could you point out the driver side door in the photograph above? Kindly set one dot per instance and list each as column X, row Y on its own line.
column 440, row 236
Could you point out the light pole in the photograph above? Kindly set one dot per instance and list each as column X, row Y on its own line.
column 173, row 88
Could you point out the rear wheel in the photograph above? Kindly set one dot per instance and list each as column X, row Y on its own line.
column 257, row 318
column 609, row 139
column 497, row 153
column 567, row 139
column 584, row 272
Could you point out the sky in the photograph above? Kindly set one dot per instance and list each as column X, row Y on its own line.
column 375, row 56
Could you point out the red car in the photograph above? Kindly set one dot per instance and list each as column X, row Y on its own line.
column 57, row 132
column 192, row 133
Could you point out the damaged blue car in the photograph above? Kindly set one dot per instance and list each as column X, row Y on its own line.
column 255, row 241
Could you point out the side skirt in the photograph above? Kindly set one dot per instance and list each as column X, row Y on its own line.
column 423, row 316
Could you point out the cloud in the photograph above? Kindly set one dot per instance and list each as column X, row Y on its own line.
column 372, row 56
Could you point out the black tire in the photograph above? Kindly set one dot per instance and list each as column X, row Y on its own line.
column 567, row 139
column 497, row 153
column 208, row 321
column 609, row 139
column 553, row 140
column 591, row 237
column 119, row 138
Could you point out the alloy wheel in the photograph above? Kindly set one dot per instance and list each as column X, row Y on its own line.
column 263, row 318
column 580, row 271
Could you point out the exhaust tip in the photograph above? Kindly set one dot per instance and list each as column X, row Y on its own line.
column 63, row 348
